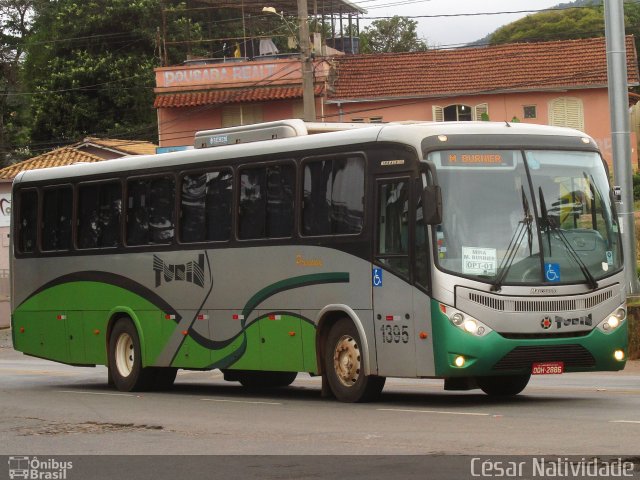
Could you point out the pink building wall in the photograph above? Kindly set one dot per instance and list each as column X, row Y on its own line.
column 177, row 126
column 501, row 107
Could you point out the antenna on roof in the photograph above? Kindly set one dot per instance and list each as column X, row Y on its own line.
column 507, row 124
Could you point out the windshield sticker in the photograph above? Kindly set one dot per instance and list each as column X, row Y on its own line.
column 442, row 247
column 609, row 255
column 479, row 261
column 532, row 162
column 552, row 272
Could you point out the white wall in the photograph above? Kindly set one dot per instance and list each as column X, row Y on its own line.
column 5, row 211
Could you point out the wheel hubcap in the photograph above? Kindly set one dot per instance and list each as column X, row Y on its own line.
column 346, row 360
column 125, row 355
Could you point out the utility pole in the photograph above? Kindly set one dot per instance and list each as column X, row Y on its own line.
column 620, row 134
column 308, row 94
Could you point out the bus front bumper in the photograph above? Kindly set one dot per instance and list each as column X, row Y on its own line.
column 461, row 354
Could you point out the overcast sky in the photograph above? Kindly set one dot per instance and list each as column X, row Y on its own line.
column 441, row 32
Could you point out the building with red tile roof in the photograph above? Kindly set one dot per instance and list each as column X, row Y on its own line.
column 557, row 83
column 560, row 83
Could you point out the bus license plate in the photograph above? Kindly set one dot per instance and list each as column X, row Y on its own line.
column 547, row 368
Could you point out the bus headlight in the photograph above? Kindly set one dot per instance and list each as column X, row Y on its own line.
column 613, row 321
column 465, row 322
column 457, row 319
column 471, row 325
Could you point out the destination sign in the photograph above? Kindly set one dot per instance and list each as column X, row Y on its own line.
column 482, row 158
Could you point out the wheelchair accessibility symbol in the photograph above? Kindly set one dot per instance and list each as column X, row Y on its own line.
column 376, row 277
column 552, row 272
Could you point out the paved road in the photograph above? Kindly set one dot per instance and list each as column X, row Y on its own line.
column 48, row 408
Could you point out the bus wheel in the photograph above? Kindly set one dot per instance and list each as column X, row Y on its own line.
column 506, row 386
column 266, row 380
column 125, row 359
column 343, row 365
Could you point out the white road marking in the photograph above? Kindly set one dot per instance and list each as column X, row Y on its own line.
column 625, row 421
column 238, row 401
column 441, row 412
column 37, row 372
column 98, row 393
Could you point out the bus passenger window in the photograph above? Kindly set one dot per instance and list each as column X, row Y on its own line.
column 28, row 219
column 150, row 211
column 333, row 196
column 219, row 202
column 206, row 207
column 252, row 204
column 99, row 210
column 280, row 187
column 56, row 219
column 192, row 208
column 266, row 202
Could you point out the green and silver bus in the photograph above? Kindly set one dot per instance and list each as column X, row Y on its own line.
column 478, row 253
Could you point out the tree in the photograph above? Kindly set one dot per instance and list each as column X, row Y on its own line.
column 90, row 67
column 554, row 25
column 397, row 34
column 15, row 28
column 580, row 19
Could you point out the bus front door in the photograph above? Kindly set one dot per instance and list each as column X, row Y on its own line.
column 392, row 292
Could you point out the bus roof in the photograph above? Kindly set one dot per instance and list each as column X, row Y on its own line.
column 317, row 136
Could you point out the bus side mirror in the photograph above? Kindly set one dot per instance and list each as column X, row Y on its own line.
column 432, row 205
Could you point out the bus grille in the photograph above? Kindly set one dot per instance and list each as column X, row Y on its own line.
column 543, row 336
column 544, row 305
column 523, row 357
column 594, row 300
column 528, row 304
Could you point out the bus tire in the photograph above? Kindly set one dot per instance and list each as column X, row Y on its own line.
column 125, row 359
column 344, row 366
column 266, row 380
column 503, row 386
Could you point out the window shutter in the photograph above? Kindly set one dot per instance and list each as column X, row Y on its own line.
column 479, row 110
column 231, row 116
column 575, row 118
column 566, row 112
column 241, row 115
column 438, row 113
column 251, row 114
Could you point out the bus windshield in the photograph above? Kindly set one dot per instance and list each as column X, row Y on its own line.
column 526, row 217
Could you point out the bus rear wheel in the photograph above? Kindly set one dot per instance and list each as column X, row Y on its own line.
column 506, row 386
column 125, row 359
column 344, row 365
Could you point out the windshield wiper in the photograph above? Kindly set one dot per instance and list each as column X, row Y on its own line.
column 549, row 223
column 524, row 227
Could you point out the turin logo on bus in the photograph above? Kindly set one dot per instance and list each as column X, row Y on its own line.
column 192, row 272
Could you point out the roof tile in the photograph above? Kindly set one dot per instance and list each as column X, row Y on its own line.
column 55, row 158
column 238, row 95
column 509, row 67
